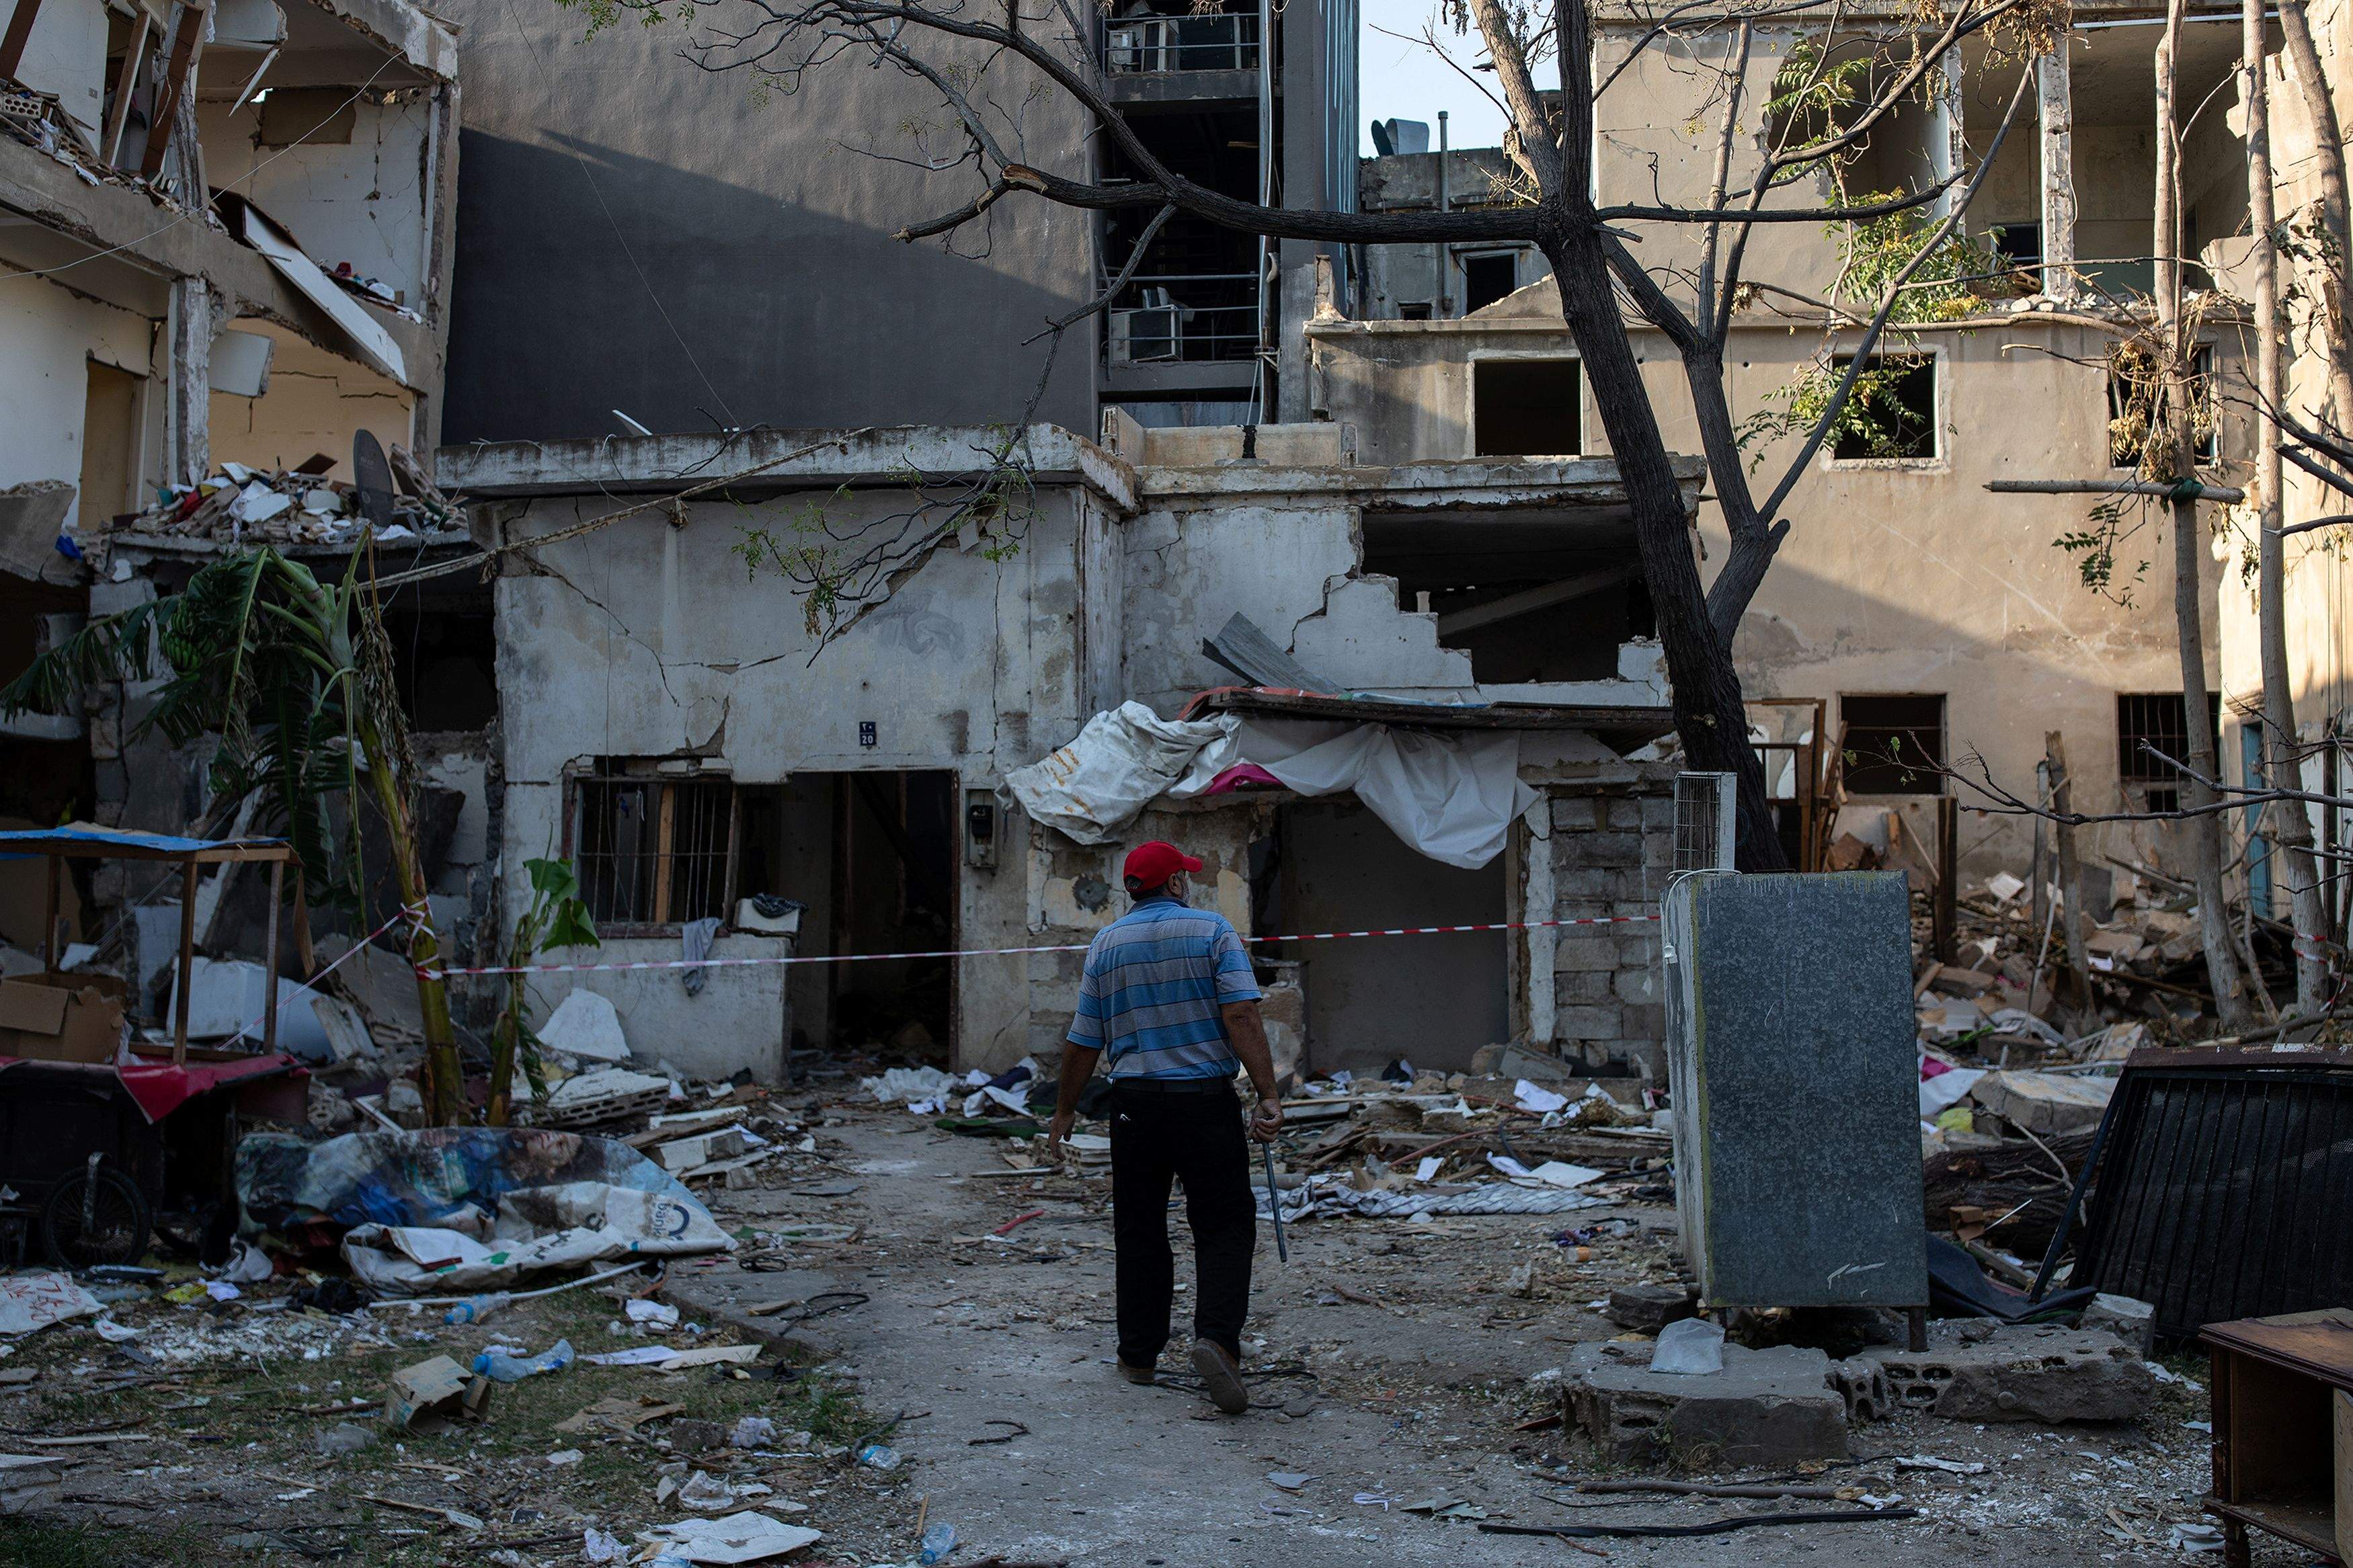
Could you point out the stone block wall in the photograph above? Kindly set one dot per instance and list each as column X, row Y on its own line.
column 1611, row 852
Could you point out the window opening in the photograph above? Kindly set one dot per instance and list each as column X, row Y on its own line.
column 652, row 851
column 1891, row 412
column 1894, row 745
column 1527, row 407
column 1487, row 279
column 2149, row 727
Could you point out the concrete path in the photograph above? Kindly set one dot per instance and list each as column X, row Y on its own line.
column 1421, row 1356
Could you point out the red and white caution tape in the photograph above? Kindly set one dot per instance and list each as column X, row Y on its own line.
column 447, row 973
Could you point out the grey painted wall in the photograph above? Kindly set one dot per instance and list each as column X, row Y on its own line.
column 746, row 273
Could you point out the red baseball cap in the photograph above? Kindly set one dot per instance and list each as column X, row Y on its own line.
column 1150, row 864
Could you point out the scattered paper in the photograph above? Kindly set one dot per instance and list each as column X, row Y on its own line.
column 738, row 1538
column 1535, row 1097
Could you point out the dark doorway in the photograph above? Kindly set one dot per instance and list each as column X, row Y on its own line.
column 873, row 857
column 1432, row 1000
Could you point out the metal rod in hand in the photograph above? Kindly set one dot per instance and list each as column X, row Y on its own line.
column 1274, row 1203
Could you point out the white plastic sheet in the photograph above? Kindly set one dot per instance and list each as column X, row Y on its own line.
column 1453, row 796
column 1121, row 762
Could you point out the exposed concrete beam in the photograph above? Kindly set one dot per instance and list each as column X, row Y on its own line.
column 139, row 230
column 657, row 465
column 197, row 314
column 402, row 30
column 2054, row 93
column 1948, row 148
column 1511, row 606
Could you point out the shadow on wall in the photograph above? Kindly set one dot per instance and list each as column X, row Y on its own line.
column 796, row 318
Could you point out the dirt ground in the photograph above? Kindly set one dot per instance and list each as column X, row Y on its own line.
column 1394, row 1366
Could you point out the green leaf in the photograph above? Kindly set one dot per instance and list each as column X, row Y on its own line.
column 569, row 926
column 553, row 879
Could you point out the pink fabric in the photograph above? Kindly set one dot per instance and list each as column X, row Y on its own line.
column 1242, row 774
column 1931, row 1068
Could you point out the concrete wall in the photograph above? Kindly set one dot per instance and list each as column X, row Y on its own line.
column 654, row 643
column 66, row 55
column 635, row 233
column 362, row 201
column 49, row 335
column 315, row 401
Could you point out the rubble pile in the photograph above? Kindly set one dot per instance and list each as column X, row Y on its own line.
column 300, row 505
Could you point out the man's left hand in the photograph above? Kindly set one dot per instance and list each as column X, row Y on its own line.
column 1267, row 1119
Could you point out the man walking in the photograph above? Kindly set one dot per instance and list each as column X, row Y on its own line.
column 1168, row 994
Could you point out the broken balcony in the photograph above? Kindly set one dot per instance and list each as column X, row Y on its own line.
column 231, row 223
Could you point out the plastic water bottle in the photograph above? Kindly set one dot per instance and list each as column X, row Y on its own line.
column 477, row 1308
column 938, row 1541
column 501, row 1367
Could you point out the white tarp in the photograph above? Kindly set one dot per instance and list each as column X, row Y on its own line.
column 1121, row 762
column 1453, row 796
column 557, row 1227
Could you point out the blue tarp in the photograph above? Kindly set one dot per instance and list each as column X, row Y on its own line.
column 99, row 840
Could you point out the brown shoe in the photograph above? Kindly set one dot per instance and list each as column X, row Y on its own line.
column 1221, row 1378
column 1140, row 1375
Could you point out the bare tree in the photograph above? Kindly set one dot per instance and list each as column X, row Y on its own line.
column 987, row 64
column 2170, row 453
column 2291, row 830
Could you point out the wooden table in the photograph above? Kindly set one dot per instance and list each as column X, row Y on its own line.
column 2275, row 1382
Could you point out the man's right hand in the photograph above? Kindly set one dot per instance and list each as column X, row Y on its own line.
column 1058, row 1130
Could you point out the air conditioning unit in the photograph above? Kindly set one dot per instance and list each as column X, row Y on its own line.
column 1145, row 336
column 1136, row 48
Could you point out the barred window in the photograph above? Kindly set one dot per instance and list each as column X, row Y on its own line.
column 652, row 850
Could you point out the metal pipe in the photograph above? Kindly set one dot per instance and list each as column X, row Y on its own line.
column 1445, row 205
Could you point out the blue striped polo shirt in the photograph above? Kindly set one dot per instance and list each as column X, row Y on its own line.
column 1154, row 980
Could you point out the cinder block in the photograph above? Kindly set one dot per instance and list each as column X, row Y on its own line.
column 1626, row 812
column 1584, row 952
column 1643, row 1021
column 1586, row 1022
column 1987, row 1372
column 1766, row 1408
column 1647, row 1308
column 1658, row 811
column 1613, row 849
column 1636, row 986
column 1576, row 812
column 1575, row 985
column 1587, row 882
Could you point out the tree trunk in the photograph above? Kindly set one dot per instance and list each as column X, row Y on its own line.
column 2074, row 915
column 2291, row 827
column 1710, row 716
column 2175, row 390
column 2334, row 278
column 443, row 1082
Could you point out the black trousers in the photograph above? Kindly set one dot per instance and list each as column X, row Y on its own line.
column 1197, row 1135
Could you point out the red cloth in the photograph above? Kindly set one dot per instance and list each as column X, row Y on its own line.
column 160, row 1089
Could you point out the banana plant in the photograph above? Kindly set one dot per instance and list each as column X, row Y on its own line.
column 295, row 676
column 557, row 917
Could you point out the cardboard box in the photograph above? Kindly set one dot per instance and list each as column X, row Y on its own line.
column 429, row 1396
column 60, row 1018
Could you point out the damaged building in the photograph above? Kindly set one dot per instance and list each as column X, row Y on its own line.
column 679, row 733
column 1909, row 608
column 227, row 230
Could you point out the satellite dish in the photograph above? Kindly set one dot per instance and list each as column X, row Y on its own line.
column 371, row 479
